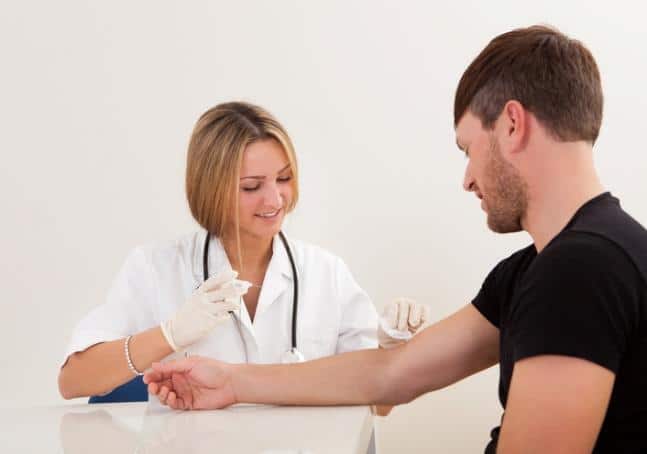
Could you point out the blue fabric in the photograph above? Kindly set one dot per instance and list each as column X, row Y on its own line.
column 133, row 391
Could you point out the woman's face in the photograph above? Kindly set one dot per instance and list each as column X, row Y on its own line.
column 265, row 189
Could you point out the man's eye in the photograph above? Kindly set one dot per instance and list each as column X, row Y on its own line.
column 250, row 188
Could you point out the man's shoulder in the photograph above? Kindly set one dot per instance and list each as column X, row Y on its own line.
column 515, row 263
column 584, row 251
column 607, row 220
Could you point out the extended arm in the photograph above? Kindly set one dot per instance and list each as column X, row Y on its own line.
column 444, row 353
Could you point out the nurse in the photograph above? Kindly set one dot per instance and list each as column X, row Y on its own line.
column 184, row 297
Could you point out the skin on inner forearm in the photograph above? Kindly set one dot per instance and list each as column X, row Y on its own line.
column 335, row 380
column 103, row 367
column 450, row 350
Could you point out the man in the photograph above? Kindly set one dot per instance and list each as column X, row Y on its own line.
column 565, row 318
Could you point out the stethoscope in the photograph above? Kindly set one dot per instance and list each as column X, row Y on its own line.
column 293, row 355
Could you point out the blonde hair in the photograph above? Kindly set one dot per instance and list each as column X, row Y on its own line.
column 215, row 156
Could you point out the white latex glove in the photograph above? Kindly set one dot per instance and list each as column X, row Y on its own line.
column 401, row 320
column 209, row 306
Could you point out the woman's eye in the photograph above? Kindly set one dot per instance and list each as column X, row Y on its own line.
column 284, row 179
column 250, row 188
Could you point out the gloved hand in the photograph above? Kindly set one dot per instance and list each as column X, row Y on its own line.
column 401, row 319
column 209, row 306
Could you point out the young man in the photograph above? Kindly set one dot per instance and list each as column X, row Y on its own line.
column 566, row 317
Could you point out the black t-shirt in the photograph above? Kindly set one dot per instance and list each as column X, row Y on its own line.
column 584, row 295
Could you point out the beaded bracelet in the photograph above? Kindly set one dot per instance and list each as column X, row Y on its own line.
column 131, row 366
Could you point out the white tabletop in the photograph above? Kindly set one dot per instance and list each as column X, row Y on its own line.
column 144, row 428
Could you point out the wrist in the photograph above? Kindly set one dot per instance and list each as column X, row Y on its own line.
column 237, row 379
column 166, row 332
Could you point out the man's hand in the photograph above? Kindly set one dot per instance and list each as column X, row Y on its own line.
column 194, row 383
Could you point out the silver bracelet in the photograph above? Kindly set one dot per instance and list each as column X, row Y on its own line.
column 131, row 366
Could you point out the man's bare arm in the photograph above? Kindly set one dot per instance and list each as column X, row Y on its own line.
column 442, row 354
column 556, row 404
column 445, row 352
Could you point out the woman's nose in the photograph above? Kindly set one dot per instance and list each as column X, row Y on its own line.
column 273, row 197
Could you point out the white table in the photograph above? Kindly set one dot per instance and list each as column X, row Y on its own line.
column 144, row 428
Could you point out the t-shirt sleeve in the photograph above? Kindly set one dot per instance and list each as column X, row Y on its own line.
column 580, row 299
column 487, row 301
column 127, row 309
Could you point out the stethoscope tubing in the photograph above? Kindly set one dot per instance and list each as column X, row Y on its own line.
column 295, row 280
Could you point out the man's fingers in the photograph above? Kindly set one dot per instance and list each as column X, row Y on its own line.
column 163, row 394
column 171, row 401
column 181, row 386
column 155, row 388
column 151, row 376
column 166, row 369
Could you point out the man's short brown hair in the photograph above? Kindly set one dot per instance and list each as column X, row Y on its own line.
column 551, row 75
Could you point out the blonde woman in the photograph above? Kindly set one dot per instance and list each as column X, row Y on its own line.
column 287, row 301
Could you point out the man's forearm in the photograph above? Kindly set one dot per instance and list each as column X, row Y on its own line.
column 450, row 350
column 355, row 378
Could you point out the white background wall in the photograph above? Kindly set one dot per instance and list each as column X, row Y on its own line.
column 97, row 101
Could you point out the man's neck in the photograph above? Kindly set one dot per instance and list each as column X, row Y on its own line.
column 558, row 191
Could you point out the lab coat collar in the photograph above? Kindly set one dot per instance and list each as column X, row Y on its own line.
column 218, row 258
column 277, row 277
column 280, row 255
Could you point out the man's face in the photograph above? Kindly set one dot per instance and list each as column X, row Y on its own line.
column 502, row 190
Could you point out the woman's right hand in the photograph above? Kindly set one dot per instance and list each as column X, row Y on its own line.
column 207, row 307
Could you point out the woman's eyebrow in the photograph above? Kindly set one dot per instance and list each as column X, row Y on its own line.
column 262, row 177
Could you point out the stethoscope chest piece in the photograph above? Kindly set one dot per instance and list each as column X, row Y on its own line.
column 292, row 356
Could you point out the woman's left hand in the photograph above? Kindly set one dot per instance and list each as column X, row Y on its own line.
column 400, row 320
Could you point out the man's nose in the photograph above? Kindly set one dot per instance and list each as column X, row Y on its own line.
column 468, row 180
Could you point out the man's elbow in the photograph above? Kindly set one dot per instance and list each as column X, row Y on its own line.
column 398, row 385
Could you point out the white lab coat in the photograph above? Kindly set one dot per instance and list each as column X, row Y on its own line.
column 334, row 314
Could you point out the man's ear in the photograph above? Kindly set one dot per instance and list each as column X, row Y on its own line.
column 513, row 127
